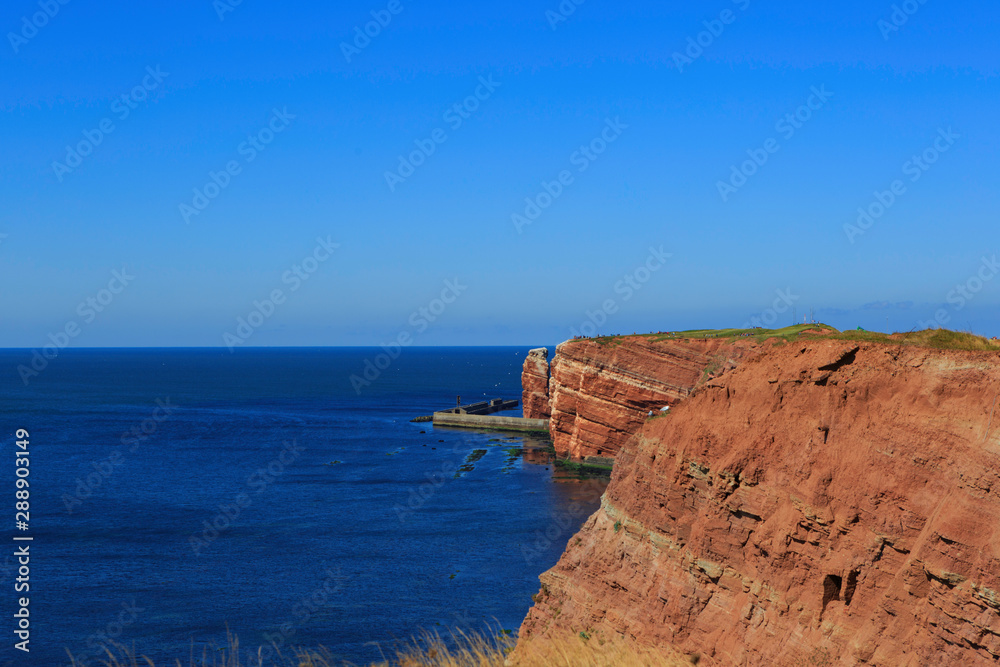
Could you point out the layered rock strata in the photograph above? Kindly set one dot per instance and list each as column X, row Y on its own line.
column 822, row 503
column 535, row 384
column 602, row 391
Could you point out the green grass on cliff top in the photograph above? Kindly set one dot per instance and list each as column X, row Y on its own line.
column 941, row 339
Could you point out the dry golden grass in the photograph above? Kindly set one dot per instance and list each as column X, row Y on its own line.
column 431, row 651
column 576, row 652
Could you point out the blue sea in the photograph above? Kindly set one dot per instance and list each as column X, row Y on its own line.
column 177, row 495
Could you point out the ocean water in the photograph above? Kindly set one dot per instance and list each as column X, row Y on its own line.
column 177, row 495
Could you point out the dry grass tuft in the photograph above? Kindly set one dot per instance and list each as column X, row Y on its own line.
column 577, row 652
column 431, row 651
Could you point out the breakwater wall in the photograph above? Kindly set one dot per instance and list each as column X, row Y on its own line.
column 491, row 422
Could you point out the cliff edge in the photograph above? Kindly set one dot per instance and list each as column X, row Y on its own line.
column 823, row 502
column 602, row 390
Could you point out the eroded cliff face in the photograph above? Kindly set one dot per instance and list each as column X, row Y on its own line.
column 602, row 392
column 535, row 384
column 821, row 503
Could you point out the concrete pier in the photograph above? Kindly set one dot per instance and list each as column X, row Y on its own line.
column 482, row 416
column 491, row 422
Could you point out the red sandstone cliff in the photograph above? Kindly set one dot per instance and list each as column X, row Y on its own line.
column 601, row 392
column 823, row 503
column 535, row 384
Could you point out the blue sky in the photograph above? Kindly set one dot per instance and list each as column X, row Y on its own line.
column 330, row 127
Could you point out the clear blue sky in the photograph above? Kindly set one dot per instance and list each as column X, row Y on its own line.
column 680, row 127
